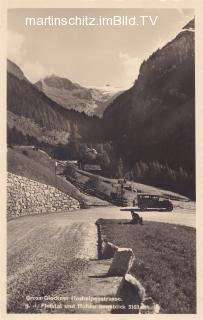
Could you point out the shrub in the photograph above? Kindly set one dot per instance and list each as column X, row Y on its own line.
column 25, row 152
column 70, row 172
column 93, row 182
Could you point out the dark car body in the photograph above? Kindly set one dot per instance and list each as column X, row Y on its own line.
column 148, row 201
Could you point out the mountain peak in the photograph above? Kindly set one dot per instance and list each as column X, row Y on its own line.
column 92, row 101
column 190, row 25
column 59, row 82
column 15, row 70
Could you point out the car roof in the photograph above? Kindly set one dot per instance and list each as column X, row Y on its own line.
column 152, row 195
column 148, row 194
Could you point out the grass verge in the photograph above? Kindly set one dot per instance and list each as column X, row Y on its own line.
column 165, row 260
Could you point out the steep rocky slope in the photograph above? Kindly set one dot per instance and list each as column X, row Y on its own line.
column 151, row 126
column 155, row 119
column 91, row 101
column 32, row 113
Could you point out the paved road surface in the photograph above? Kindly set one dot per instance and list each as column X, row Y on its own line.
column 182, row 216
column 51, row 253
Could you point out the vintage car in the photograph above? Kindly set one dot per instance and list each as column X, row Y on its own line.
column 149, row 201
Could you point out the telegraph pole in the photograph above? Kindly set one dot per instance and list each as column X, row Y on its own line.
column 56, row 164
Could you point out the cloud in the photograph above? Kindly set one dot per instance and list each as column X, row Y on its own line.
column 35, row 71
column 185, row 15
column 16, row 52
column 131, row 66
column 15, row 49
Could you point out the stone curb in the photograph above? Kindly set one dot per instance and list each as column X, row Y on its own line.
column 130, row 289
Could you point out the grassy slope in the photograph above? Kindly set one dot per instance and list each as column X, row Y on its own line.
column 139, row 187
column 38, row 166
column 165, row 260
column 108, row 185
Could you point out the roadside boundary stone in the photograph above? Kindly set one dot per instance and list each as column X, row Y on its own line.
column 108, row 250
column 130, row 290
column 122, row 262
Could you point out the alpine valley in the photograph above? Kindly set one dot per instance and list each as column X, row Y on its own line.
column 146, row 133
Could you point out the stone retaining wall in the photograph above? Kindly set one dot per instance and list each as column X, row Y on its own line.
column 25, row 197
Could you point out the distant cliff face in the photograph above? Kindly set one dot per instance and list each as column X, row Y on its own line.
column 91, row 101
column 155, row 119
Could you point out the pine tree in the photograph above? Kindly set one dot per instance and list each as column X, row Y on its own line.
column 74, row 142
column 119, row 169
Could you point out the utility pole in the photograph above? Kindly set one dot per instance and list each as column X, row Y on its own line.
column 56, row 164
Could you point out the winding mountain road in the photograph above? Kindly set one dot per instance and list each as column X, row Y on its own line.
column 50, row 254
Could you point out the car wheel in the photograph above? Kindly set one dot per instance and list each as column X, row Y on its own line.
column 143, row 207
column 170, row 207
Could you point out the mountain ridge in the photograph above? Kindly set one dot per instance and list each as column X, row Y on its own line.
column 73, row 96
column 147, row 132
column 161, row 103
column 44, row 116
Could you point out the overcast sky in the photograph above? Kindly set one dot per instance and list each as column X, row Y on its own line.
column 90, row 56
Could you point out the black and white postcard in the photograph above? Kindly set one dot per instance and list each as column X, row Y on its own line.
column 102, row 148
